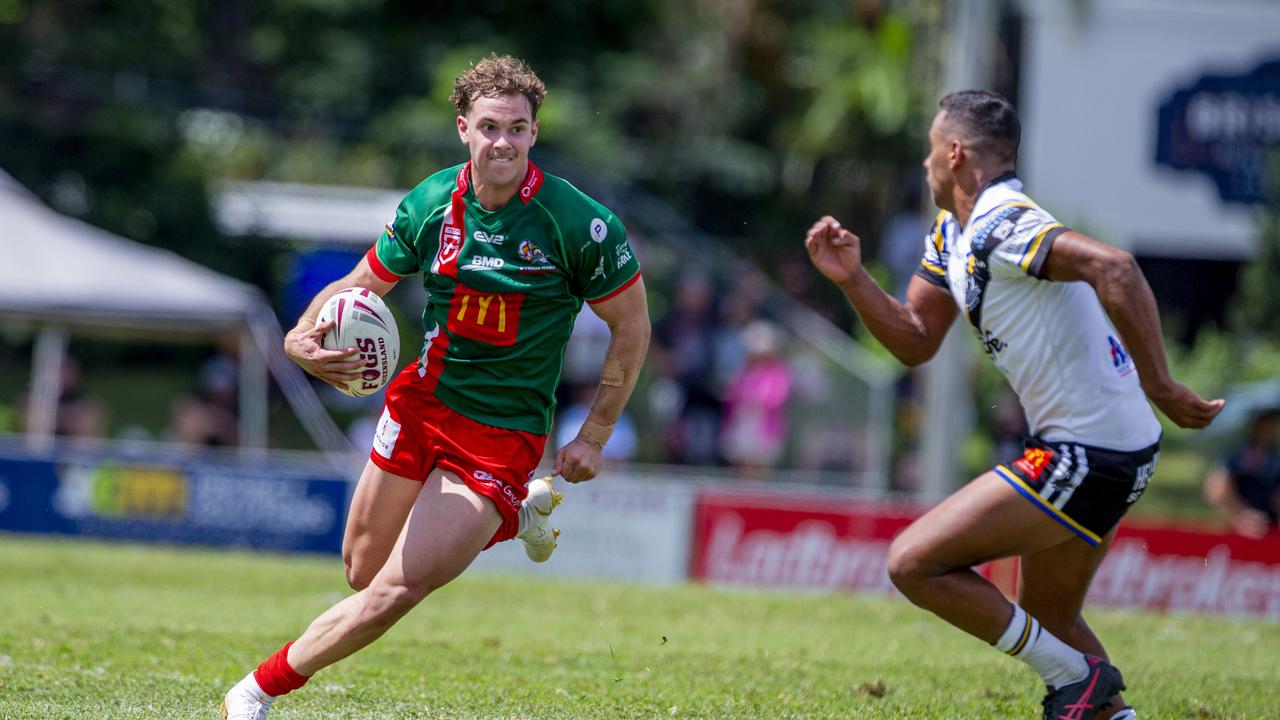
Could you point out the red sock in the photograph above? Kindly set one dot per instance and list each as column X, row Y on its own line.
column 276, row 677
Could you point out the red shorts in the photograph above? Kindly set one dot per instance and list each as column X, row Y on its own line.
column 417, row 434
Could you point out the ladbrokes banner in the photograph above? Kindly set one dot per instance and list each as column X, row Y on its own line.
column 773, row 540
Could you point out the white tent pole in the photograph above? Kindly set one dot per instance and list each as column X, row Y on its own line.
column 46, row 385
column 253, row 393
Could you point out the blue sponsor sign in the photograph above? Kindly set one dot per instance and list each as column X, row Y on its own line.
column 206, row 503
column 1227, row 127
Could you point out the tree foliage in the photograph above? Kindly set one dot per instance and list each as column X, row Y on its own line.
column 747, row 114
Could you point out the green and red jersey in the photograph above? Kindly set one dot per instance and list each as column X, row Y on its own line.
column 503, row 287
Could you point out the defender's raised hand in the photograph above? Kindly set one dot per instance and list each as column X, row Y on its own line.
column 836, row 252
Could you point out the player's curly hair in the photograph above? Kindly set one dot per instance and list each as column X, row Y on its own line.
column 495, row 76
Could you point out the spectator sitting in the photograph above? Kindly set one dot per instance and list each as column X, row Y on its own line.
column 1247, row 486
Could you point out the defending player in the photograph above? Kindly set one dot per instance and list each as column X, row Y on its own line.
column 1073, row 325
column 508, row 254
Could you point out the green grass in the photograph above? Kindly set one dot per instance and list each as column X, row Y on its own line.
column 121, row 631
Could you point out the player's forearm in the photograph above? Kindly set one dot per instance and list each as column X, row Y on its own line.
column 894, row 324
column 1129, row 303
column 622, row 362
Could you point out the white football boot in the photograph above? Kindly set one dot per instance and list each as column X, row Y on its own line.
column 246, row 701
column 536, row 532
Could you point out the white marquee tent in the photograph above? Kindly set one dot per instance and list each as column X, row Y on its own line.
column 65, row 276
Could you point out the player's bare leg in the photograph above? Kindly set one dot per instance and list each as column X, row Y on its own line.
column 379, row 508
column 1053, row 588
column 447, row 528
column 931, row 563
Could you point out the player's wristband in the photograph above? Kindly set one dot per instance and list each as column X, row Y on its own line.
column 595, row 433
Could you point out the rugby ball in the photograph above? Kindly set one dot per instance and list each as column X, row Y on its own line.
column 362, row 321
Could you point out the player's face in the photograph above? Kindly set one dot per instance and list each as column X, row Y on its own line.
column 937, row 166
column 499, row 132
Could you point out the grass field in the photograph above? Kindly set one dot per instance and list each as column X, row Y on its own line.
column 122, row 631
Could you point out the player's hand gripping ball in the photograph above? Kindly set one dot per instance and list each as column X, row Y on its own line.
column 363, row 321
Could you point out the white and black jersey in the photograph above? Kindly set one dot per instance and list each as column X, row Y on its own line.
column 1052, row 340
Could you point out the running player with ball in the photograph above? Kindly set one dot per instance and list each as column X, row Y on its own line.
column 508, row 255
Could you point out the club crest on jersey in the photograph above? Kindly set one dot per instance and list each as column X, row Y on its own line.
column 1033, row 462
column 1120, row 359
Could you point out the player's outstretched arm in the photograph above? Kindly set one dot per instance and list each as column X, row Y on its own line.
column 303, row 343
column 627, row 315
column 913, row 330
column 1128, row 301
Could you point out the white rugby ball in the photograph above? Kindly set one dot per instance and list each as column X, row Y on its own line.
column 362, row 321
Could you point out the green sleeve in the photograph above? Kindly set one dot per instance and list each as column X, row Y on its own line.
column 605, row 262
column 396, row 249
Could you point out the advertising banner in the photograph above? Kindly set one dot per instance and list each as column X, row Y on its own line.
column 779, row 541
column 207, row 503
column 617, row 527
column 1160, row 568
column 775, row 540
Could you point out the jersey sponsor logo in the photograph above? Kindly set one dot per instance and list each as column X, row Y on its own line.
column 1005, row 221
column 532, row 253
column 492, row 318
column 1120, row 359
column 391, row 230
column 1033, row 462
column 1142, row 478
column 489, row 238
column 384, row 439
column 599, row 230
column 624, row 256
column 508, row 492
column 599, row 270
column 991, row 344
column 532, row 182
column 483, row 263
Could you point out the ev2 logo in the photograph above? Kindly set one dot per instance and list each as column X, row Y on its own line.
column 488, row 238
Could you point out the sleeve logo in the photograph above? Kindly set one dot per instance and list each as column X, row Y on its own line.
column 599, row 230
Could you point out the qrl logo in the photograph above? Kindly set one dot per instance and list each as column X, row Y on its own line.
column 450, row 245
column 492, row 318
column 373, row 351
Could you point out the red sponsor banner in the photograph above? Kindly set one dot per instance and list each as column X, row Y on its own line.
column 836, row 544
column 785, row 542
column 1184, row 570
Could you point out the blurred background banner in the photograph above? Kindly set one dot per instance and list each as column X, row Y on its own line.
column 178, row 179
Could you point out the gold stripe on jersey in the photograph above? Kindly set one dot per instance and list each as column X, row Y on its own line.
column 932, row 267
column 938, row 222
column 1030, row 253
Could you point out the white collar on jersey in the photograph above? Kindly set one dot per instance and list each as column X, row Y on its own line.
column 996, row 193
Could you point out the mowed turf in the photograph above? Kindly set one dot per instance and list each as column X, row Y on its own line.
column 91, row 630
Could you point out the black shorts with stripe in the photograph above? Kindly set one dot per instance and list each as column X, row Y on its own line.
column 1087, row 489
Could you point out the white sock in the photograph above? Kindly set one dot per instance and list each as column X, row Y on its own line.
column 1125, row 713
column 1056, row 662
column 523, row 518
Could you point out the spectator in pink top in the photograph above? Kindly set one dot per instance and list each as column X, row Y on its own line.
column 755, row 422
